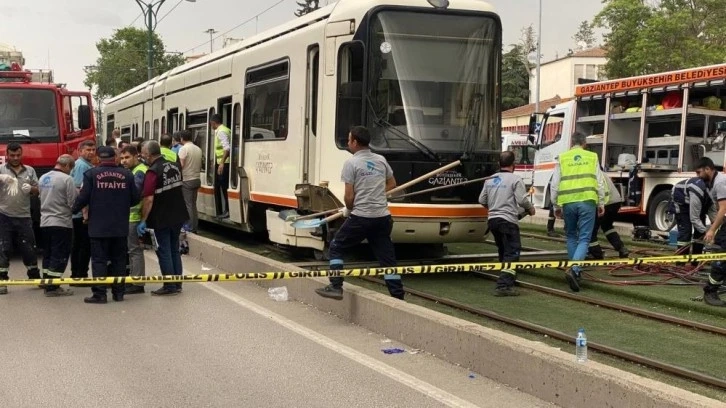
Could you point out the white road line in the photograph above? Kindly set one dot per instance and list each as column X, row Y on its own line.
column 421, row 386
column 410, row 381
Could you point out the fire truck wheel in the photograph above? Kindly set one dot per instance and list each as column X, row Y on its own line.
column 658, row 217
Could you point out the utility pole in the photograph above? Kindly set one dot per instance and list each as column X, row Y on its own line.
column 150, row 11
column 211, row 33
column 539, row 57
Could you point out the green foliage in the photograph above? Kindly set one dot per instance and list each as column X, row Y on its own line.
column 515, row 78
column 516, row 70
column 585, row 36
column 122, row 63
column 646, row 37
column 307, row 6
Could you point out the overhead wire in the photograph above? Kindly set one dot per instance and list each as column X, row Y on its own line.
column 237, row 26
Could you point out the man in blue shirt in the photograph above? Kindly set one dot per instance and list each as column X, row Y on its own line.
column 81, row 250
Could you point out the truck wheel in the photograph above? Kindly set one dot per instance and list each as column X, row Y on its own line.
column 658, row 217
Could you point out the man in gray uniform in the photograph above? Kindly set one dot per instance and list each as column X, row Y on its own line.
column 503, row 194
column 57, row 195
column 367, row 177
column 716, row 185
column 15, row 219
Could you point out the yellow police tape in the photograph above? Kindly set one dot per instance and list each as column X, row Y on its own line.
column 374, row 271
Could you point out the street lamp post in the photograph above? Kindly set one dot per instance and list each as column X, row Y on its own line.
column 211, row 33
column 150, row 11
column 539, row 57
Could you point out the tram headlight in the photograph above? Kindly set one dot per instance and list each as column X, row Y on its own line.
column 439, row 4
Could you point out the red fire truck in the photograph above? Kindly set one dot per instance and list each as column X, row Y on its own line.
column 46, row 118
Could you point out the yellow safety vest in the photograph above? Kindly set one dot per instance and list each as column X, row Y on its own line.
column 578, row 177
column 135, row 215
column 218, row 149
column 168, row 154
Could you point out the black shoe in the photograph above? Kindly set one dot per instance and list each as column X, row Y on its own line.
column 712, row 298
column 506, row 291
column 33, row 273
column 552, row 234
column 165, row 291
column 572, row 279
column 118, row 297
column 330, row 292
column 134, row 289
column 95, row 300
column 624, row 253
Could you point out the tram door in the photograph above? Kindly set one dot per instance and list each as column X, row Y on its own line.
column 311, row 114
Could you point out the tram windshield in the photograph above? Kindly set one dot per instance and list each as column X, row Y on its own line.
column 432, row 82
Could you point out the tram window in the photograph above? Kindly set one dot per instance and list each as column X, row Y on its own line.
column 126, row 132
column 110, row 122
column 163, row 125
column 147, row 129
column 197, row 123
column 266, row 94
column 350, row 91
column 156, row 129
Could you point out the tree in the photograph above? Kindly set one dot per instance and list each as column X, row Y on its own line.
column 647, row 36
column 307, row 6
column 528, row 43
column 515, row 78
column 122, row 63
column 584, row 37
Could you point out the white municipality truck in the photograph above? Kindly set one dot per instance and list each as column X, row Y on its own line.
column 648, row 132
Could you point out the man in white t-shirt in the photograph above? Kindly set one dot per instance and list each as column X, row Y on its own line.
column 190, row 156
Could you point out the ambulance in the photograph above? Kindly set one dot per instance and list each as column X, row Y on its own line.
column 524, row 153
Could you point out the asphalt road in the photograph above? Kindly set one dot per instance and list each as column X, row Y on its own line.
column 215, row 345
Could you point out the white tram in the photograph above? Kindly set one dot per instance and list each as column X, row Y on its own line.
column 422, row 75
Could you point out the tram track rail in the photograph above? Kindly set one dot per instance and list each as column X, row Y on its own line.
column 532, row 253
column 532, row 327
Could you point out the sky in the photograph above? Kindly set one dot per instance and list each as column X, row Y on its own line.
column 61, row 35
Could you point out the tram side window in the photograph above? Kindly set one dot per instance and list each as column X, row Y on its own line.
column 125, row 132
column 197, row 123
column 350, row 91
column 110, row 122
column 147, row 129
column 156, row 129
column 267, row 92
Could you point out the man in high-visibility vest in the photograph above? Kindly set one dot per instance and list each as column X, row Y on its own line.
column 222, row 136
column 165, row 142
column 578, row 192
column 136, row 264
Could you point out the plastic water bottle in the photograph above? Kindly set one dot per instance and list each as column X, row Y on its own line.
column 581, row 346
column 673, row 237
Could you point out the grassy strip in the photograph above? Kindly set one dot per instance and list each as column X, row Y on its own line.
column 593, row 333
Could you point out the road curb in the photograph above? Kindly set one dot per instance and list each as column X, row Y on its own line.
column 532, row 367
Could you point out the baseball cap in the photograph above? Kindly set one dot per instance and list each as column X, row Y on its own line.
column 106, row 152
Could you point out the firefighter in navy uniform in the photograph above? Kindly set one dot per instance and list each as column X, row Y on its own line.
column 716, row 187
column 165, row 211
column 109, row 192
column 613, row 202
column 691, row 204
